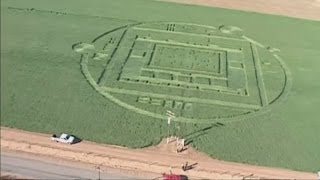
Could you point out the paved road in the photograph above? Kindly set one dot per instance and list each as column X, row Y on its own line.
column 38, row 169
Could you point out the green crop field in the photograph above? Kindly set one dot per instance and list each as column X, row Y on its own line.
column 244, row 87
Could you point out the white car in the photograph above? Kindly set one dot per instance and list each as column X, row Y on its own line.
column 63, row 138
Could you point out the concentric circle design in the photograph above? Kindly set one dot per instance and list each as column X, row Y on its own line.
column 201, row 73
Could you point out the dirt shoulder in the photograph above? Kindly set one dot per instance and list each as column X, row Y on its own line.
column 304, row 9
column 156, row 159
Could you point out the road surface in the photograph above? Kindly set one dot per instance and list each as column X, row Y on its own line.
column 31, row 167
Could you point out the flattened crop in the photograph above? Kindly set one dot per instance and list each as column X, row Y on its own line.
column 211, row 69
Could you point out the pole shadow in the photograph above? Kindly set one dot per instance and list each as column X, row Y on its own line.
column 194, row 135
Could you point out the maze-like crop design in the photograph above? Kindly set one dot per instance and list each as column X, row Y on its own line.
column 202, row 73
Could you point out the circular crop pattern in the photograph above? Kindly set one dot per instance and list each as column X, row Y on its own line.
column 201, row 73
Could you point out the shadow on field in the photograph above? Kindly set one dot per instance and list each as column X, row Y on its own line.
column 194, row 135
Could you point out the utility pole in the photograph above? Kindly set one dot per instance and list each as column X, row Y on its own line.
column 178, row 133
column 170, row 117
column 99, row 170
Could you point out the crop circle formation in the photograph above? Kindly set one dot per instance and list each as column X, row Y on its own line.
column 201, row 73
